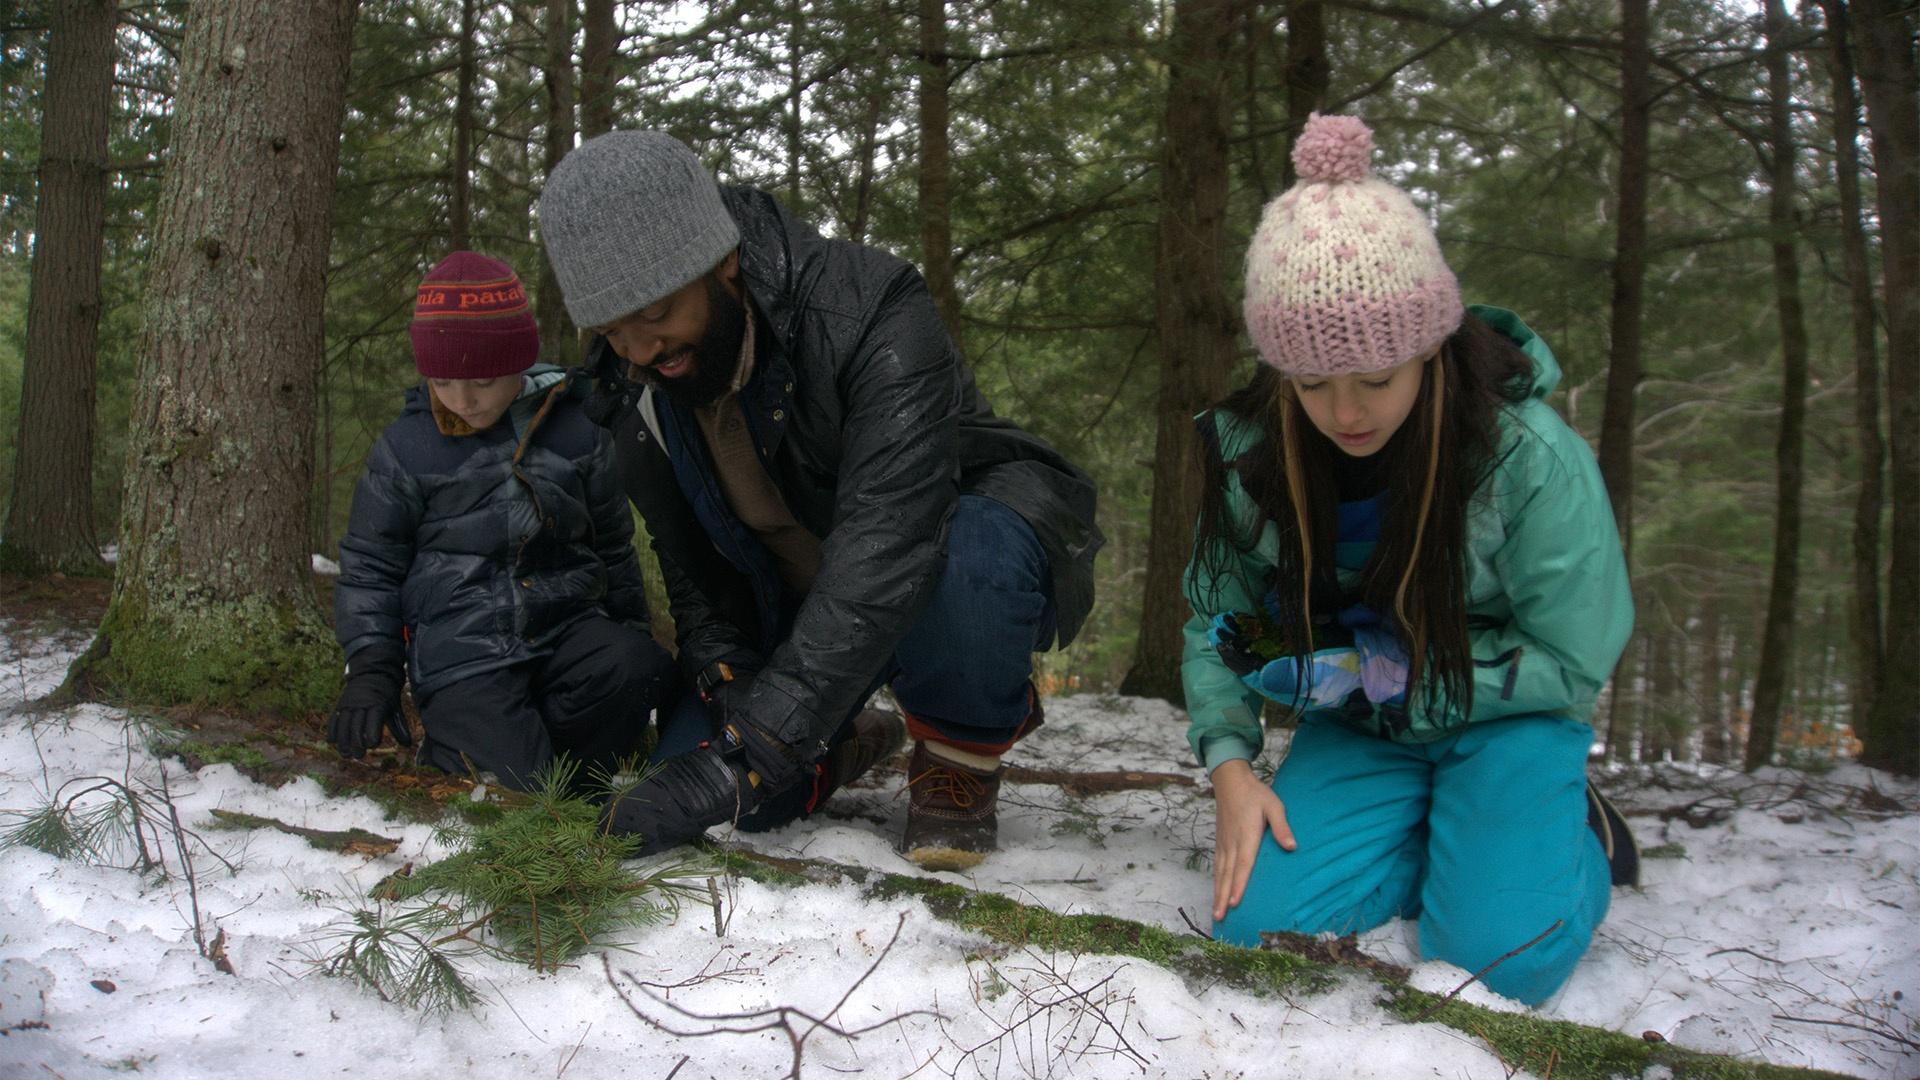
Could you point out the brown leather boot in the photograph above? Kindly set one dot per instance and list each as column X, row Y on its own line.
column 877, row 736
column 951, row 821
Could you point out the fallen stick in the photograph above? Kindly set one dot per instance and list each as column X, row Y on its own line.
column 1094, row 783
column 349, row 841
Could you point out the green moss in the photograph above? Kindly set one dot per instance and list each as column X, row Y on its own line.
column 763, row 870
column 413, row 804
column 1011, row 922
column 1522, row 1040
column 246, row 655
column 238, row 754
column 1664, row 851
column 1575, row 1051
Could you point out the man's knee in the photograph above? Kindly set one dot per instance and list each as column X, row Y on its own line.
column 996, row 577
column 968, row 658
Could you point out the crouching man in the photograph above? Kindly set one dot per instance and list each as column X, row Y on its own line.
column 833, row 503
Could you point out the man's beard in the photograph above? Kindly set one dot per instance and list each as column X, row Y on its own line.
column 716, row 356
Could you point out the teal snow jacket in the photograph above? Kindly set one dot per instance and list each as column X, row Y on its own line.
column 1549, row 608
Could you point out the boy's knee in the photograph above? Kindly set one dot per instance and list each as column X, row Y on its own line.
column 630, row 672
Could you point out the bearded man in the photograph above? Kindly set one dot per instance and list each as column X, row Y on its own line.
column 834, row 505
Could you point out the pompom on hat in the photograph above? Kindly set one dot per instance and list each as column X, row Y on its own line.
column 471, row 320
column 1344, row 276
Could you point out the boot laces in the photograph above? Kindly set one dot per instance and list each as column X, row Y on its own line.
column 958, row 786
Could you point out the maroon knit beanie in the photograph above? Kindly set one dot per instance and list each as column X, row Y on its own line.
column 471, row 320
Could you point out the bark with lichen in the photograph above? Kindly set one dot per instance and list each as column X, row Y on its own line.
column 212, row 599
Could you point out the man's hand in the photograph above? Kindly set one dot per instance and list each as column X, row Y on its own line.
column 685, row 796
column 369, row 702
column 1244, row 810
column 774, row 763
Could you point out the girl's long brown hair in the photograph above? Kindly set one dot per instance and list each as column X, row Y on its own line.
column 1434, row 465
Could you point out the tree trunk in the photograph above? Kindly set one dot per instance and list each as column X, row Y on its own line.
column 599, row 53
column 1863, row 614
column 460, row 204
column 213, row 600
column 1629, row 268
column 1658, row 736
column 1308, row 73
column 522, row 40
column 50, row 518
column 1885, row 34
column 1195, row 320
column 936, row 171
column 796, row 100
column 1642, row 715
column 1681, row 721
column 1712, row 697
column 559, row 340
column 1741, row 724
column 1629, row 275
column 868, row 149
column 1776, row 644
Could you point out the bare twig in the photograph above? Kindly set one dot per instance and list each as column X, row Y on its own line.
column 1749, row 952
column 733, row 972
column 1185, row 918
column 186, row 864
column 575, row 1052
column 780, row 1018
column 1050, row 1015
column 1476, row 976
column 1876, row 1032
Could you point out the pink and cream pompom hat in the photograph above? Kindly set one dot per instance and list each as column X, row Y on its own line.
column 1344, row 276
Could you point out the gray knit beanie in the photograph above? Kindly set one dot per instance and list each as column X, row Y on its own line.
column 629, row 217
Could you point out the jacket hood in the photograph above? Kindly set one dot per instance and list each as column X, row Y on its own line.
column 1546, row 370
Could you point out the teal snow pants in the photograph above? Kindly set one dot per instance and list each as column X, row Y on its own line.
column 1482, row 835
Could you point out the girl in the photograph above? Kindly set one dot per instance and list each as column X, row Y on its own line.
column 1403, row 543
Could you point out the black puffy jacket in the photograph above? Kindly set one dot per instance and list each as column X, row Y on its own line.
column 871, row 427
column 482, row 547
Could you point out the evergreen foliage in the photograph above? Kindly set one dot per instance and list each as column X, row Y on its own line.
column 539, row 885
column 123, row 823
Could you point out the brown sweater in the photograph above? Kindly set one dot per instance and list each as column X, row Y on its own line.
column 748, row 487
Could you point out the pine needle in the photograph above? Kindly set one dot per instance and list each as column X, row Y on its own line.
column 539, row 885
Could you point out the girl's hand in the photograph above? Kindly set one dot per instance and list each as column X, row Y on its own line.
column 1244, row 809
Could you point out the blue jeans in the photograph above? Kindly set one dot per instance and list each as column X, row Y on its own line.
column 1483, row 835
column 964, row 669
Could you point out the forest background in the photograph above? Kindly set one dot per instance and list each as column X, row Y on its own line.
column 213, row 216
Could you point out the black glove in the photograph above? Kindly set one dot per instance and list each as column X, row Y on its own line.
column 681, row 799
column 1229, row 639
column 370, row 701
column 725, row 690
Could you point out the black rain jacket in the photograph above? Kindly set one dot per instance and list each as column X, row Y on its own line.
column 871, row 427
column 477, row 550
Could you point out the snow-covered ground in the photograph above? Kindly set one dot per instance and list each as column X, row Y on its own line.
column 1792, row 910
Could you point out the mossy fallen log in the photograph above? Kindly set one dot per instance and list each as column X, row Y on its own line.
column 1544, row 1047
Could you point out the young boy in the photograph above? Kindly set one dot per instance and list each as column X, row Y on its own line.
column 489, row 556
